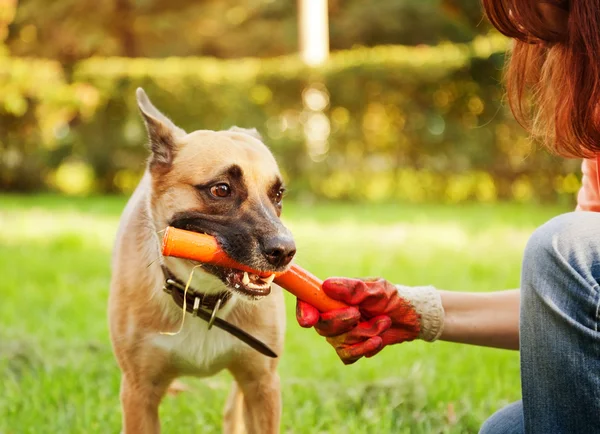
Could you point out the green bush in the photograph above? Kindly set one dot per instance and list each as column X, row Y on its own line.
column 36, row 106
column 403, row 123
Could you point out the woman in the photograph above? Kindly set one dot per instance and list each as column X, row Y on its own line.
column 553, row 82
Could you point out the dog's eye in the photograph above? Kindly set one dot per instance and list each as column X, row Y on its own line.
column 220, row 190
column 279, row 196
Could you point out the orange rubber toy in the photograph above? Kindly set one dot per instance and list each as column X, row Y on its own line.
column 205, row 248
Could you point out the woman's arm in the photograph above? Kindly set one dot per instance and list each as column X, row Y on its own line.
column 488, row 319
column 492, row 319
column 398, row 313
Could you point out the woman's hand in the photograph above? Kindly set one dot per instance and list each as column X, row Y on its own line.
column 379, row 314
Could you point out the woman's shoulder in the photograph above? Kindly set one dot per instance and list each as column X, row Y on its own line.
column 588, row 198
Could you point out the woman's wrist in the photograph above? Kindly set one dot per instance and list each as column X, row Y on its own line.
column 427, row 302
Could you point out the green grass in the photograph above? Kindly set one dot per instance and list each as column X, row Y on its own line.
column 58, row 373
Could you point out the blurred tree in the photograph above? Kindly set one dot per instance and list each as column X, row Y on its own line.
column 69, row 30
column 467, row 12
column 7, row 15
column 66, row 30
column 407, row 22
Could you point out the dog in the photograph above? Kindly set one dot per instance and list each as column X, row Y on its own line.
column 226, row 184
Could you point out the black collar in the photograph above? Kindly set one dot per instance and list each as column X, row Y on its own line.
column 206, row 306
column 176, row 288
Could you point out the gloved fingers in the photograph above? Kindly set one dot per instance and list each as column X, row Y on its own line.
column 337, row 322
column 306, row 314
column 372, row 279
column 350, row 354
column 363, row 331
column 359, row 341
column 373, row 353
column 344, row 289
column 397, row 335
column 367, row 329
column 357, row 292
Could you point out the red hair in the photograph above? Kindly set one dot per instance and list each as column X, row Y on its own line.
column 553, row 73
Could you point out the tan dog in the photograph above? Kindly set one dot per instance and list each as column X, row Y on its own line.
column 226, row 184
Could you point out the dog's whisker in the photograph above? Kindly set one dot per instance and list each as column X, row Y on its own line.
column 195, row 264
column 157, row 259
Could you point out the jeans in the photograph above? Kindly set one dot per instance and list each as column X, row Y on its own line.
column 559, row 332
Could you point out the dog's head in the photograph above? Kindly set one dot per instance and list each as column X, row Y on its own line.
column 225, row 184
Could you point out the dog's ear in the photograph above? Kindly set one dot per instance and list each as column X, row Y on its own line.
column 249, row 131
column 162, row 133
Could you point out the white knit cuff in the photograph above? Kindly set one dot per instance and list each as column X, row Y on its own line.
column 428, row 304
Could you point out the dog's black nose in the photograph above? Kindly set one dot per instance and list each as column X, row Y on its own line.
column 279, row 250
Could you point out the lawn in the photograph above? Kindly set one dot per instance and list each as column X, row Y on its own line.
column 57, row 369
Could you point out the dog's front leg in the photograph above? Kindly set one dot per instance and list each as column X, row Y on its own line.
column 233, row 417
column 262, row 404
column 139, row 401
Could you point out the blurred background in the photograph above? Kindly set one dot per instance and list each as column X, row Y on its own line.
column 402, row 160
column 408, row 102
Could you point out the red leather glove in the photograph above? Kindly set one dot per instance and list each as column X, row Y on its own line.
column 379, row 314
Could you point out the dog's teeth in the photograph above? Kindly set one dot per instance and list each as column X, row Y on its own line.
column 269, row 279
column 245, row 279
